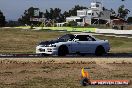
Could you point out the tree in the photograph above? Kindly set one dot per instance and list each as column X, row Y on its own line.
column 65, row 14
column 47, row 14
column 71, row 24
column 30, row 13
column 113, row 12
column 73, row 11
column 2, row 19
column 122, row 12
column 27, row 15
column 54, row 14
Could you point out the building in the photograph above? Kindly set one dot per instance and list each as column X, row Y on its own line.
column 95, row 14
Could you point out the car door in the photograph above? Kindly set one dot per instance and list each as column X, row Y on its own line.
column 79, row 44
column 91, row 45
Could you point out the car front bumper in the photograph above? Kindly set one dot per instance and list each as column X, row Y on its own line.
column 47, row 50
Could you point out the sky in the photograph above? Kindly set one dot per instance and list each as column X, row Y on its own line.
column 13, row 9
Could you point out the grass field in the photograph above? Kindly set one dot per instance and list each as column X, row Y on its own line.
column 62, row 72
column 119, row 45
column 25, row 41
column 72, row 29
column 57, row 72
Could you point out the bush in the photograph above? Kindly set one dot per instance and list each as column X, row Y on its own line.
column 71, row 24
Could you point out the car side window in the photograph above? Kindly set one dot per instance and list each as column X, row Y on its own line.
column 90, row 38
column 82, row 37
column 66, row 37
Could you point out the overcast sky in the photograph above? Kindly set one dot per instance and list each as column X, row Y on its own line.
column 13, row 9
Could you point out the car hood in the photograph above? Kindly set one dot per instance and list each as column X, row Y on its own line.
column 48, row 42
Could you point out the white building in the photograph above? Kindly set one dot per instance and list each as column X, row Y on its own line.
column 93, row 11
column 78, row 19
column 85, row 16
column 95, row 14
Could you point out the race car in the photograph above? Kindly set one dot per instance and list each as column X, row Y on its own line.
column 73, row 44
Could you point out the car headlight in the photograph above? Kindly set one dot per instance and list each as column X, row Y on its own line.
column 52, row 45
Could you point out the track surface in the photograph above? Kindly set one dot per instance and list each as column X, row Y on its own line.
column 110, row 55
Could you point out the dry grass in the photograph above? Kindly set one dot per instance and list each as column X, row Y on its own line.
column 25, row 41
column 52, row 73
column 119, row 45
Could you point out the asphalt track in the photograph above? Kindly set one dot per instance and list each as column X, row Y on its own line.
column 109, row 55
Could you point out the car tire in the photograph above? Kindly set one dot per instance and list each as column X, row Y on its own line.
column 99, row 51
column 63, row 50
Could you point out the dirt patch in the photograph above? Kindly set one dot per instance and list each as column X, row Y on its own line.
column 53, row 73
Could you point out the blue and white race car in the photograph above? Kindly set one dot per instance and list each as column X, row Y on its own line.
column 74, row 44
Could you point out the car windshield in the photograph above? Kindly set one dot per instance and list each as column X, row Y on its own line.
column 66, row 37
column 41, row 43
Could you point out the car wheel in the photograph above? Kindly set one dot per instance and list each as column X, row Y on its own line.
column 99, row 51
column 85, row 82
column 63, row 51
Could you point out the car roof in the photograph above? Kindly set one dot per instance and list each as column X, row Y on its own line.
column 83, row 34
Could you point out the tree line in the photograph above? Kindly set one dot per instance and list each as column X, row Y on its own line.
column 57, row 15
column 2, row 19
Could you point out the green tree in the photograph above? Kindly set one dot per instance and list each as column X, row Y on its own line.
column 72, row 24
column 73, row 11
column 2, row 19
column 47, row 14
column 64, row 15
column 113, row 12
column 54, row 14
column 123, row 12
column 29, row 13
